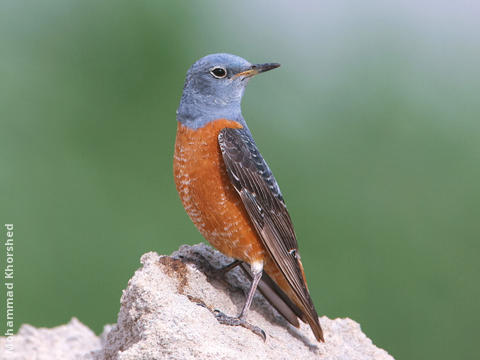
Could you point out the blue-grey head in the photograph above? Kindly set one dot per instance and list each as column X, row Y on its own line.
column 214, row 88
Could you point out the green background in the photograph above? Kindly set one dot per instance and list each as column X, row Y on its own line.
column 371, row 126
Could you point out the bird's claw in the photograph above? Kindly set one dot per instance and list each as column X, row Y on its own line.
column 236, row 321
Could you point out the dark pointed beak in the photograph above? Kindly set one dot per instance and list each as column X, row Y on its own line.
column 265, row 67
column 257, row 69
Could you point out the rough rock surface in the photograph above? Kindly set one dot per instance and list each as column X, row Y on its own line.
column 71, row 341
column 166, row 313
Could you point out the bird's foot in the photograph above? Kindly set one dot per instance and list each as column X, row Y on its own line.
column 238, row 321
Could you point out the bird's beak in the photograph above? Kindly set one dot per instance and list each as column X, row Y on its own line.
column 257, row 69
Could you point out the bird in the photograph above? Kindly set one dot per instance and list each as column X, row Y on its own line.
column 230, row 193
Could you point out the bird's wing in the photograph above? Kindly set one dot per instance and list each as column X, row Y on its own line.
column 261, row 196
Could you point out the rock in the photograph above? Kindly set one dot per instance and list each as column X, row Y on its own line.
column 166, row 313
column 71, row 341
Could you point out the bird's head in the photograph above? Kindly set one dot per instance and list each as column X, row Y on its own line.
column 214, row 88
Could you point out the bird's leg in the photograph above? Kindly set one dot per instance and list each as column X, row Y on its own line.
column 219, row 274
column 229, row 267
column 251, row 293
column 241, row 319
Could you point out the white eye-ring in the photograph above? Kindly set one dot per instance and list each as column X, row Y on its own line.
column 218, row 72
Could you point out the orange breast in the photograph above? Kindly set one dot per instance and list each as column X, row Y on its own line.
column 208, row 196
column 211, row 201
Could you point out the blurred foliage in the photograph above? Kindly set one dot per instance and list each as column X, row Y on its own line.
column 371, row 127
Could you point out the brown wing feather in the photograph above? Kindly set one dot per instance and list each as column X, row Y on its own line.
column 261, row 196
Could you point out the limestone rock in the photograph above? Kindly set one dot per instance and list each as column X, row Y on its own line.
column 166, row 313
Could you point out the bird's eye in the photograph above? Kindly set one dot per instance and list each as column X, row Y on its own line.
column 218, row 72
